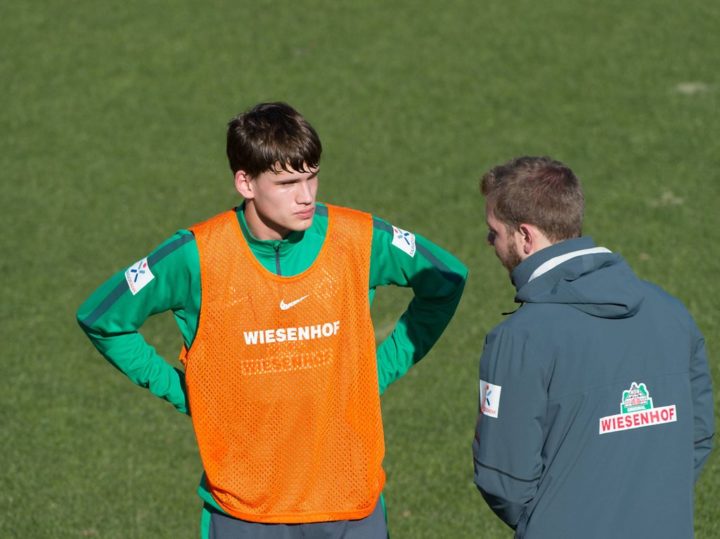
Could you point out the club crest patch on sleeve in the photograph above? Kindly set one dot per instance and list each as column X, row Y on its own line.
column 404, row 240
column 489, row 398
column 138, row 276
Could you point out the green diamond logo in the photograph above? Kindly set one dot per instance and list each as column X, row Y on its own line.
column 635, row 399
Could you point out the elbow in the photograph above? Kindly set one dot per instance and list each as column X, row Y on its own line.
column 458, row 276
column 82, row 320
column 79, row 318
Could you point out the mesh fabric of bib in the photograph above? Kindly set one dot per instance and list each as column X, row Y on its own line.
column 282, row 378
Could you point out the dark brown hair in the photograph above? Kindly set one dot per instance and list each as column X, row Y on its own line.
column 272, row 136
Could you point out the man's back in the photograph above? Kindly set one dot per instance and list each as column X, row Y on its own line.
column 596, row 371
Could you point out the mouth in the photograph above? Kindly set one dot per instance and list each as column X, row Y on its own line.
column 306, row 214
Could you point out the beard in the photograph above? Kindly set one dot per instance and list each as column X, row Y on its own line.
column 510, row 258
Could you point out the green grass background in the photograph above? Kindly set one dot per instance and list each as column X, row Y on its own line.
column 113, row 120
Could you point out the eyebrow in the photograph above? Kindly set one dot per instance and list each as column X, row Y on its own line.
column 292, row 179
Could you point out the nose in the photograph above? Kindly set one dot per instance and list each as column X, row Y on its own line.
column 304, row 195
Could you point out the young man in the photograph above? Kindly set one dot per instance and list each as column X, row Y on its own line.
column 596, row 407
column 282, row 377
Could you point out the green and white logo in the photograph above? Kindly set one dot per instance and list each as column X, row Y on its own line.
column 636, row 411
column 636, row 399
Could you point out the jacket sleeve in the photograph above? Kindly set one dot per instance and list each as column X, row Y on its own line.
column 509, row 432
column 702, row 395
column 437, row 280
column 112, row 315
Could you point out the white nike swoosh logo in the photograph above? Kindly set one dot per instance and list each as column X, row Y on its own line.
column 285, row 306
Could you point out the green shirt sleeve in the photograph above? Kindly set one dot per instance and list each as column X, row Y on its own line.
column 437, row 280
column 113, row 314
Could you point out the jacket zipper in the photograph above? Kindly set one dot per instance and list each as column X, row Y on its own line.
column 277, row 260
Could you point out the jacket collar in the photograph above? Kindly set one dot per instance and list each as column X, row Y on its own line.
column 524, row 271
column 267, row 247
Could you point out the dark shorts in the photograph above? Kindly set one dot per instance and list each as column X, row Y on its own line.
column 222, row 526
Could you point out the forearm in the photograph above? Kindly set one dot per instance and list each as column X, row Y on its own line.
column 415, row 333
column 437, row 280
column 506, row 495
column 136, row 359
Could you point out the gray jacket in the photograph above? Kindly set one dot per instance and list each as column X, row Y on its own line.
column 596, row 406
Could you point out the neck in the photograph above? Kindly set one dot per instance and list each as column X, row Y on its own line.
column 261, row 228
column 539, row 243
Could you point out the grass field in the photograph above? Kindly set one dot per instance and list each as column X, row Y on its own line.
column 113, row 127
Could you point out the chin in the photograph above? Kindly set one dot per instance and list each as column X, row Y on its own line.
column 303, row 225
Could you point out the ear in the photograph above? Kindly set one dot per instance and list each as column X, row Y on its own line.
column 244, row 185
column 526, row 238
column 531, row 239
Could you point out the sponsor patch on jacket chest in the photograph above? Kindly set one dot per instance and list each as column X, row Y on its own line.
column 636, row 411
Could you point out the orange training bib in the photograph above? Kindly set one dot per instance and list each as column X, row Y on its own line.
column 282, row 378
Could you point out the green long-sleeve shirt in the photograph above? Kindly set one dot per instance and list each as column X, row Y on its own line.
column 112, row 315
